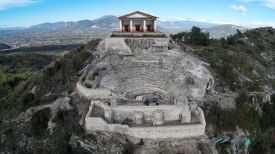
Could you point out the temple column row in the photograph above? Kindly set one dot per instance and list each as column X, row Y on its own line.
column 121, row 29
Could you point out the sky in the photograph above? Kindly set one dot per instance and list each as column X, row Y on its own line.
column 247, row 13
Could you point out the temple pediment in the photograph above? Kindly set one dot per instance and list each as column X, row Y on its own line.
column 138, row 14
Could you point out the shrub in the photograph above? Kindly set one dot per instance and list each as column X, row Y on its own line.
column 71, row 102
column 25, row 101
column 39, row 122
column 88, row 85
column 231, row 40
column 270, row 30
column 91, row 44
column 261, row 47
column 141, row 142
column 240, row 41
column 200, row 146
column 128, row 148
column 95, row 73
column 222, row 120
column 83, row 79
column 9, row 136
column 189, row 81
column 268, row 116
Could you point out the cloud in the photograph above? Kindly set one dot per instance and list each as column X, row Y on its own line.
column 216, row 22
column 6, row 4
column 253, row 24
column 2, row 25
column 267, row 3
column 256, row 24
column 239, row 8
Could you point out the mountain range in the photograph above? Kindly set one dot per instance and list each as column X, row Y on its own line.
column 224, row 30
column 111, row 23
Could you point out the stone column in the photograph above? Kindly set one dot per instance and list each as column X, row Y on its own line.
column 158, row 117
column 144, row 26
column 131, row 25
column 139, row 117
column 120, row 26
column 108, row 115
column 155, row 26
column 187, row 114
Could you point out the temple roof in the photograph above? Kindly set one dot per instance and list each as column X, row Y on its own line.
column 138, row 14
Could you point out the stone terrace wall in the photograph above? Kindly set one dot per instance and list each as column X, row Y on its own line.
column 159, row 132
column 94, row 94
column 151, row 132
column 171, row 112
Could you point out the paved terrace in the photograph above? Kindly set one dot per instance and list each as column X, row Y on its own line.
column 138, row 34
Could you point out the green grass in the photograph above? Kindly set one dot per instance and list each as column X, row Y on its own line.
column 57, row 77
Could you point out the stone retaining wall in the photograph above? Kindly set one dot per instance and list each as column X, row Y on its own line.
column 153, row 132
column 95, row 94
column 171, row 112
column 146, row 132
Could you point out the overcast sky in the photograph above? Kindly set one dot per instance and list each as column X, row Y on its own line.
column 248, row 13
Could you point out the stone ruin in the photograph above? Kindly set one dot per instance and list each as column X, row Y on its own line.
column 129, row 70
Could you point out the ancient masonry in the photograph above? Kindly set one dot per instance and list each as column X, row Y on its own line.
column 139, row 87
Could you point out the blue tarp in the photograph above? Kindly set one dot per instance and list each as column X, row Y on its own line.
column 247, row 142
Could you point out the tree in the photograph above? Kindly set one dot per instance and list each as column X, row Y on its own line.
column 39, row 122
column 239, row 33
column 231, row 40
column 199, row 38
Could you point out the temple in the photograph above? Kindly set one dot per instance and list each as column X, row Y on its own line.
column 137, row 22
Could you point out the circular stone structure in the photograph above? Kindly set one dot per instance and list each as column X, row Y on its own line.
column 126, row 67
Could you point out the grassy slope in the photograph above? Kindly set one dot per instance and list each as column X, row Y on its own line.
column 231, row 60
column 243, row 62
column 18, row 67
column 58, row 79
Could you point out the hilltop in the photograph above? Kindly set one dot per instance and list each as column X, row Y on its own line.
column 44, row 113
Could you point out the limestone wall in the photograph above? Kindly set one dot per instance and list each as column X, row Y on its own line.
column 95, row 94
column 171, row 112
column 145, row 90
column 149, row 132
column 159, row 132
column 201, row 117
column 150, row 44
column 117, row 46
column 154, row 132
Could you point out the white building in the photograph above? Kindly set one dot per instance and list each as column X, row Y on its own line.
column 137, row 22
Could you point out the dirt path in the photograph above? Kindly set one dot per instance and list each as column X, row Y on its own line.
column 60, row 103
